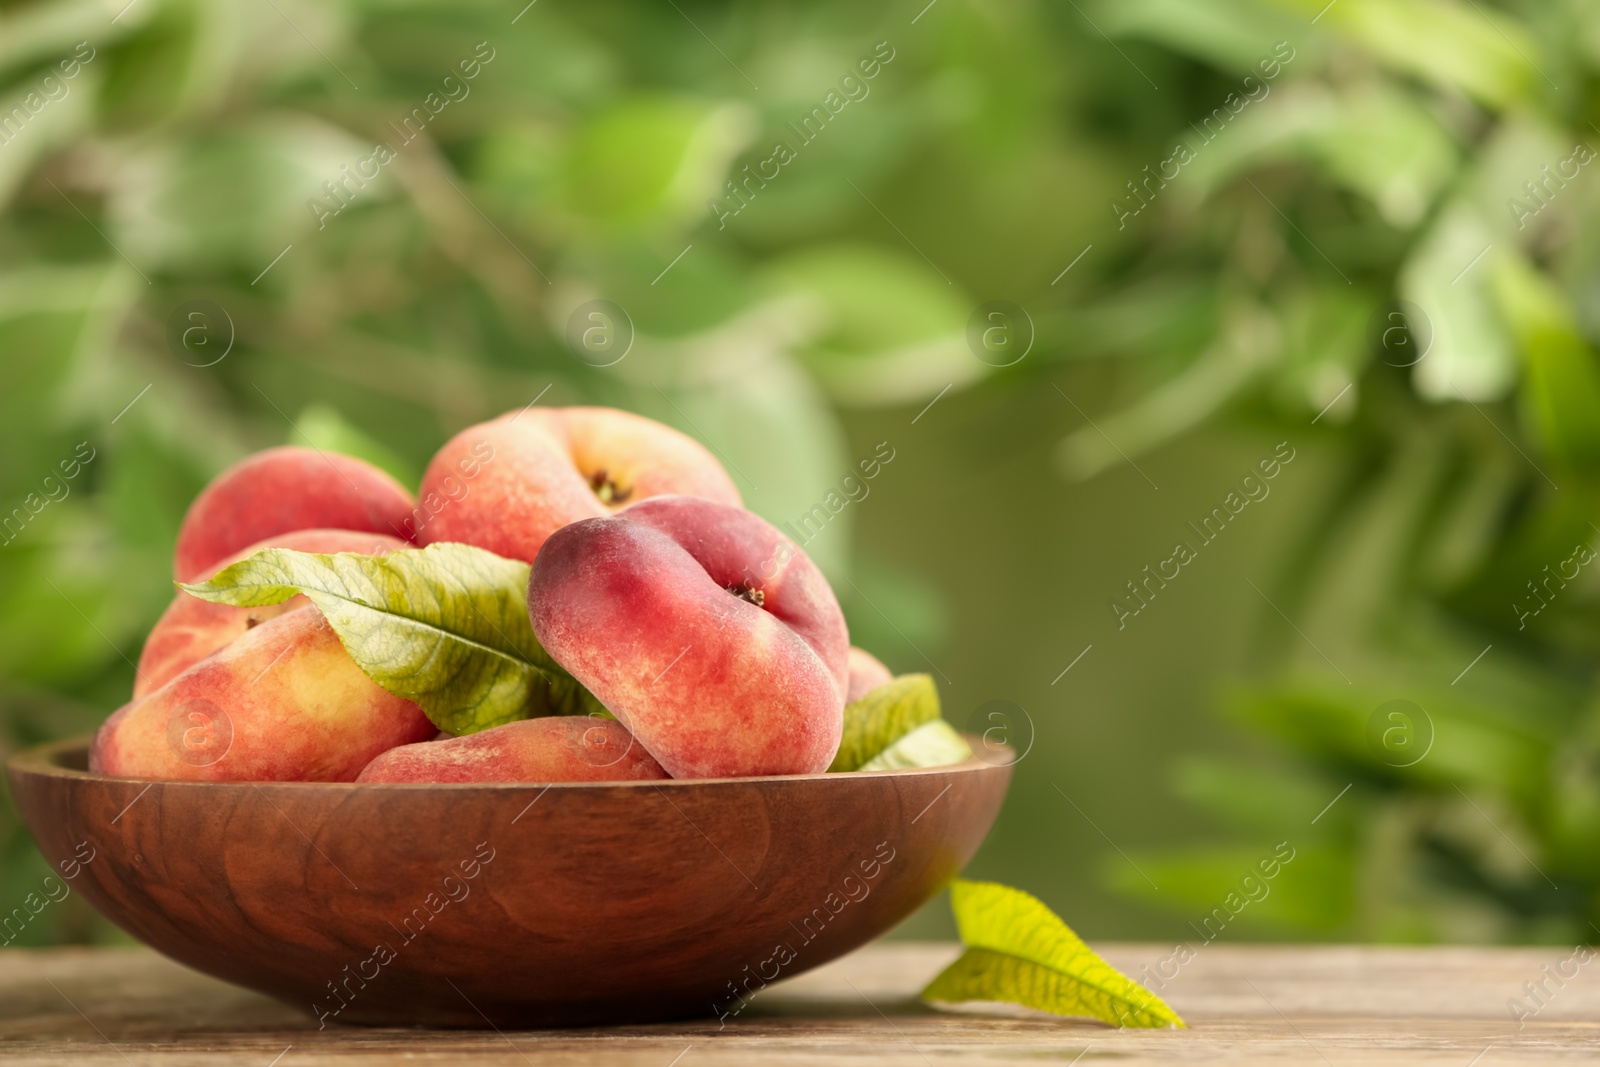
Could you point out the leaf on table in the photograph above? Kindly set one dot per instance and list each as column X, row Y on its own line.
column 882, row 717
column 933, row 744
column 446, row 626
column 1020, row 952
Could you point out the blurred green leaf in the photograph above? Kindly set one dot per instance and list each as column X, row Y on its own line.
column 1485, row 54
column 322, row 427
column 1326, row 348
column 1466, row 746
column 648, row 160
column 238, row 197
column 1269, row 800
column 894, row 610
column 1562, row 394
column 52, row 114
column 1175, row 406
column 1445, row 276
column 1213, row 888
column 147, row 74
column 1229, row 34
column 887, row 328
column 1370, row 137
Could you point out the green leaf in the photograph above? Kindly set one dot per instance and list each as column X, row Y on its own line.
column 1372, row 138
column 1562, row 390
column 933, row 744
column 1020, row 952
column 892, row 329
column 446, row 626
column 1470, row 355
column 1486, row 56
column 1227, row 34
column 649, row 159
column 884, row 716
column 227, row 197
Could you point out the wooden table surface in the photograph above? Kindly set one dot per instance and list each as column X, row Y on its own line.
column 1244, row 1005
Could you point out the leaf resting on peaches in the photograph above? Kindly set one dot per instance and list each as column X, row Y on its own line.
column 882, row 717
column 1020, row 952
column 445, row 626
column 933, row 744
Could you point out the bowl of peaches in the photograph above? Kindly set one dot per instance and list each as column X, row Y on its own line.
column 568, row 737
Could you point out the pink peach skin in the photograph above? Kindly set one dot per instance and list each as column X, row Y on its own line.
column 284, row 489
column 653, row 610
column 553, row 749
column 191, row 629
column 508, row 484
column 284, row 702
column 866, row 674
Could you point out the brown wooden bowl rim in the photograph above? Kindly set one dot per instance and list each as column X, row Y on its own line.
column 42, row 760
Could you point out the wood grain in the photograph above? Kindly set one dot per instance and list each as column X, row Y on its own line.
column 1245, row 1005
column 508, row 905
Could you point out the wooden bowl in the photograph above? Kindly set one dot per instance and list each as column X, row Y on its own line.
column 507, row 905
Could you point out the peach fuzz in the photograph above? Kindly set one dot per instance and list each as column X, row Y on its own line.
column 867, row 672
column 191, row 629
column 717, row 667
column 284, row 489
column 283, row 702
column 508, row 484
column 574, row 748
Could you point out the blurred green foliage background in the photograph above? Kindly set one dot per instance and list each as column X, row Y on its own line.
column 1208, row 210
